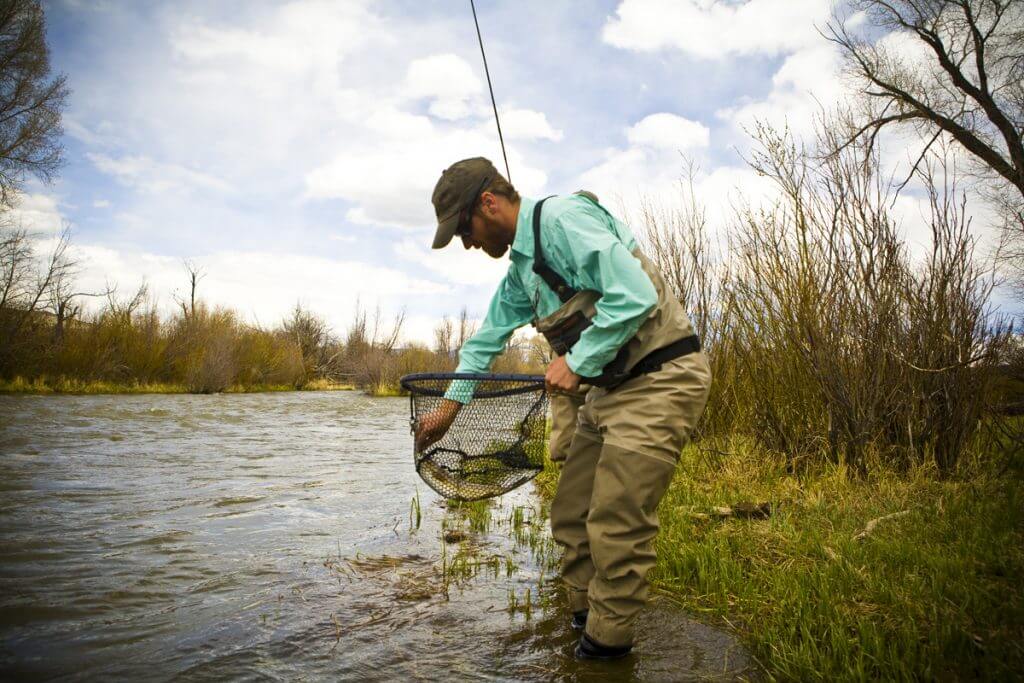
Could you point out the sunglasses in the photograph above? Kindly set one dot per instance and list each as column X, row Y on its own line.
column 465, row 225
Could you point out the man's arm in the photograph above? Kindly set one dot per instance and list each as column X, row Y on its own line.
column 509, row 310
column 603, row 263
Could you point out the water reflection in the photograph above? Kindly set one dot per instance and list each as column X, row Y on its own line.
column 277, row 536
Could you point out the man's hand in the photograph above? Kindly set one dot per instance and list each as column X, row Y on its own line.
column 432, row 427
column 560, row 378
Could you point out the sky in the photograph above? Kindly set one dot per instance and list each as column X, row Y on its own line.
column 289, row 149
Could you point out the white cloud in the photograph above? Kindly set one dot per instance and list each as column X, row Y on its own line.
column 714, row 29
column 101, row 204
column 391, row 178
column 668, row 131
column 447, row 81
column 808, row 81
column 303, row 35
column 37, row 213
column 454, row 263
column 527, row 124
column 652, row 163
column 155, row 177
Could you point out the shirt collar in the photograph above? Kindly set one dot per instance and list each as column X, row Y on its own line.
column 522, row 244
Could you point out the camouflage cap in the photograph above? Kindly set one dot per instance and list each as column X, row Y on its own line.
column 456, row 190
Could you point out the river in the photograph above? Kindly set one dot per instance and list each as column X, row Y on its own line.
column 279, row 536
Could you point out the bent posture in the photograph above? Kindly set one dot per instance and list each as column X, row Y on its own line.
column 576, row 274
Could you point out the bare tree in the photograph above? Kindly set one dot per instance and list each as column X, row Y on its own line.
column 25, row 282
column 467, row 328
column 63, row 296
column 677, row 241
column 443, row 334
column 388, row 339
column 124, row 309
column 971, row 87
column 314, row 339
column 195, row 274
column 30, row 100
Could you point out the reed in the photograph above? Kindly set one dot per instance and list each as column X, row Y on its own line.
column 827, row 340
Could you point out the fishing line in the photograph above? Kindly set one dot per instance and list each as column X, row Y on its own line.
column 508, row 175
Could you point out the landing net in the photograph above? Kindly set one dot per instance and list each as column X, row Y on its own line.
column 497, row 440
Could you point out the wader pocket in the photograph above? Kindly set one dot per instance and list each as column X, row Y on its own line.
column 563, row 328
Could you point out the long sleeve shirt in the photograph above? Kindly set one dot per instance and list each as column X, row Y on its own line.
column 590, row 249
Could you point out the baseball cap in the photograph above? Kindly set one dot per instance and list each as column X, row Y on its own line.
column 456, row 190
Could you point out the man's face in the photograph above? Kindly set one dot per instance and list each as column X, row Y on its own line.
column 485, row 232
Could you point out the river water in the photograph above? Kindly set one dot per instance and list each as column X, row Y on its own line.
column 279, row 536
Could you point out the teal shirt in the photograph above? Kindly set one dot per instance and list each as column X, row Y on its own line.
column 590, row 249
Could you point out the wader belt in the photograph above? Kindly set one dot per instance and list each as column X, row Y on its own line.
column 613, row 374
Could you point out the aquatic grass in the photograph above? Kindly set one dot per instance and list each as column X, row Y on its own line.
column 415, row 512
column 477, row 514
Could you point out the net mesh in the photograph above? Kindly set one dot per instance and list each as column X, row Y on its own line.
column 497, row 440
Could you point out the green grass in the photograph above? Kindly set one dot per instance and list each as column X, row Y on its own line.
column 933, row 594
column 384, row 389
column 64, row 385
column 327, row 385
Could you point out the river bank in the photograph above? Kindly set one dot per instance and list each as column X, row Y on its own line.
column 63, row 385
column 899, row 576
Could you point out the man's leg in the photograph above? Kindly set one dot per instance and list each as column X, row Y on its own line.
column 569, row 511
column 622, row 524
column 564, row 409
column 645, row 424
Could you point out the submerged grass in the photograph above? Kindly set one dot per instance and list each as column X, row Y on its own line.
column 931, row 593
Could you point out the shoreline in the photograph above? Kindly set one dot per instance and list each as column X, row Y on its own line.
column 70, row 387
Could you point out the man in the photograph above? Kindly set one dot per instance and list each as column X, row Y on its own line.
column 576, row 274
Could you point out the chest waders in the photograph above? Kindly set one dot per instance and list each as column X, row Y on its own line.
column 666, row 334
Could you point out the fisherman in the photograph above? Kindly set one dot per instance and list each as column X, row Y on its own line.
column 577, row 275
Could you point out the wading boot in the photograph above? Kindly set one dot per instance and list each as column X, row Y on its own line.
column 591, row 649
column 579, row 620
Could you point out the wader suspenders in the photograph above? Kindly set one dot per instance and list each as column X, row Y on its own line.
column 613, row 374
column 540, row 266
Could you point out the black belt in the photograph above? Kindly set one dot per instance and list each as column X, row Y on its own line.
column 654, row 360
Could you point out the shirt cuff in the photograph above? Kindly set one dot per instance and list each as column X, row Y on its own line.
column 580, row 366
column 461, row 390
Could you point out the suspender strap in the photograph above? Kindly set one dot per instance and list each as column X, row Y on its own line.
column 555, row 281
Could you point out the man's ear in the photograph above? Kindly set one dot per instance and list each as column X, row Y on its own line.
column 489, row 203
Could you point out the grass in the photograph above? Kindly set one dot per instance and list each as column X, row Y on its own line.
column 932, row 594
column 321, row 384
column 384, row 389
column 64, row 385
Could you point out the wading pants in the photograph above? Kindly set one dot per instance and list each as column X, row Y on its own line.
column 565, row 407
column 618, row 466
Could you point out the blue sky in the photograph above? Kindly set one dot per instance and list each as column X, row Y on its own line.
column 289, row 148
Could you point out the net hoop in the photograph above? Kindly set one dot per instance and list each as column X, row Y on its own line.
column 418, row 383
column 498, row 440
